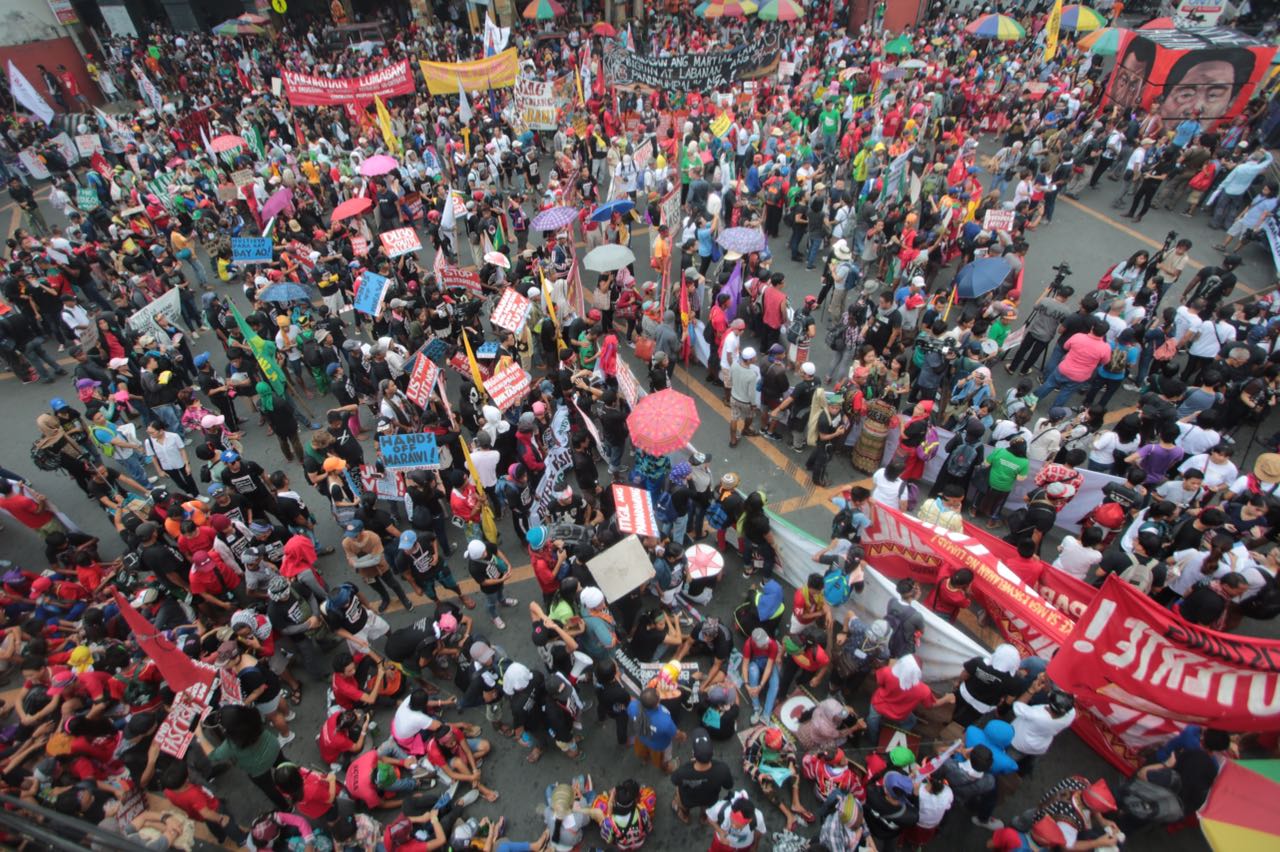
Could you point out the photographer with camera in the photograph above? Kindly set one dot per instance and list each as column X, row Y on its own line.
column 1047, row 316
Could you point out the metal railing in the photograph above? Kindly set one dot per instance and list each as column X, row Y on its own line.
column 53, row 830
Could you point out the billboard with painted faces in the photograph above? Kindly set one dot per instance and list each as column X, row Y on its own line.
column 1207, row 74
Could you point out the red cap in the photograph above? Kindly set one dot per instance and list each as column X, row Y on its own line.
column 1098, row 796
column 739, row 818
column 1048, row 832
column 40, row 585
column 773, row 738
column 1005, row 840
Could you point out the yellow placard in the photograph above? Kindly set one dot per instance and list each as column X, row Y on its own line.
column 1051, row 31
column 493, row 72
column 720, row 124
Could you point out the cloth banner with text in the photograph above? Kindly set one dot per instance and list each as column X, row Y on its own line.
column 693, row 72
column 538, row 102
column 493, row 72
column 310, row 90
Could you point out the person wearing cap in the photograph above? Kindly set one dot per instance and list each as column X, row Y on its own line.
column 490, row 568
column 248, row 479
column 365, row 553
column 419, row 560
column 737, row 823
column 1080, row 808
column 699, row 782
column 891, row 808
column 744, row 379
column 769, row 758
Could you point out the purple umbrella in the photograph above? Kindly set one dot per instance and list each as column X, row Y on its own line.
column 281, row 200
column 743, row 240
column 554, row 219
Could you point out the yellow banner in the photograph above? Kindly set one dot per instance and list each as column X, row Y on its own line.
column 493, row 72
column 1051, row 28
column 384, row 122
column 720, row 124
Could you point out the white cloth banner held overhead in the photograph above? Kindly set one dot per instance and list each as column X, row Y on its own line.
column 24, row 93
column 144, row 319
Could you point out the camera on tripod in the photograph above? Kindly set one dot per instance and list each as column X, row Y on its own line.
column 1061, row 271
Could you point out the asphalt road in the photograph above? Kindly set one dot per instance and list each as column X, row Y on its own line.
column 1085, row 234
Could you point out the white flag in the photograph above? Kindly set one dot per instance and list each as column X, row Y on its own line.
column 26, row 94
column 448, row 219
column 495, row 37
column 464, row 106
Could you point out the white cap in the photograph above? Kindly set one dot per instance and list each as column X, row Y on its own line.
column 591, row 597
column 475, row 549
column 808, row 369
column 748, row 354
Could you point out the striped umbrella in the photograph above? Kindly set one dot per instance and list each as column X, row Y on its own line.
column 999, row 27
column 554, row 218
column 1239, row 814
column 543, row 10
column 1103, row 42
column 781, row 10
column 1081, row 18
column 726, row 9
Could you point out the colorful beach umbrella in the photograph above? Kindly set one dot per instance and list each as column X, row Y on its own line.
column 781, row 10
column 1103, row 42
column 1159, row 24
column 1081, row 18
column 663, row 422
column 604, row 28
column 251, row 18
column 900, row 45
column 1240, row 813
column 726, row 9
column 542, row 10
column 237, row 28
column 999, row 27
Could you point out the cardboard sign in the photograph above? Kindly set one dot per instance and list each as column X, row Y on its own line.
column 34, row 165
column 633, row 507
column 998, row 220
column 455, row 277
column 242, row 177
column 458, row 363
column 507, row 386
column 400, row 241
column 251, row 249
column 643, row 155
column 228, row 192
column 177, row 731
column 436, row 350
column 229, row 683
column 412, row 202
column 89, row 144
column 721, row 123
column 417, row 451
column 87, row 198
column 511, row 311
column 627, row 384
column 386, row 485
column 359, row 246
column 621, row 569
column 67, row 148
column 369, row 293
column 422, row 380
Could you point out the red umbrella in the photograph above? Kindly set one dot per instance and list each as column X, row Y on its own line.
column 604, row 28
column 1159, row 24
column 350, row 207
column 226, row 142
column 663, row 422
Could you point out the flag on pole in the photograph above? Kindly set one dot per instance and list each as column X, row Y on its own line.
column 495, row 37
column 464, row 106
column 1051, row 28
column 26, row 94
column 577, row 79
column 476, row 378
column 686, row 345
column 384, row 122
column 264, row 351
column 733, row 287
column 178, row 670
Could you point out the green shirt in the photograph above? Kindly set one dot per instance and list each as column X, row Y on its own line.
column 255, row 760
column 998, row 332
column 1006, row 469
column 830, row 122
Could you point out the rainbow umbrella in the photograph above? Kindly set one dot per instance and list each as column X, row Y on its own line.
column 543, row 10
column 726, row 9
column 1082, row 19
column 781, row 10
column 999, row 27
column 1104, row 42
column 1240, row 813
column 237, row 28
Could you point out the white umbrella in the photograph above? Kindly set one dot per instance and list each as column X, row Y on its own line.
column 912, row 64
column 608, row 258
column 497, row 258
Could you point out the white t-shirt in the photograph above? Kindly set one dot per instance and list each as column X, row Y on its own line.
column 889, row 492
column 486, row 462
column 1215, row 473
column 1190, row 565
column 1211, row 338
column 735, row 837
column 1076, row 559
column 1195, row 439
column 408, row 723
column 167, row 450
column 1034, row 727
column 1184, row 321
column 934, row 806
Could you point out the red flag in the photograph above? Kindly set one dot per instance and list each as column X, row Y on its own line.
column 244, row 78
column 955, row 177
column 178, row 670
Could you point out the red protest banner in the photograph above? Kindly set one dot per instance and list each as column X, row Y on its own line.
column 507, row 386
column 310, row 90
column 400, row 241
column 633, row 508
column 511, row 311
column 421, row 381
column 452, row 277
column 177, row 731
column 179, row 671
column 388, row 485
column 359, row 246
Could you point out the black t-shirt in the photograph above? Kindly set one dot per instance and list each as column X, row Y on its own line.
column 422, row 563
column 886, row 820
column 402, row 643
column 162, row 560
column 718, row 646
column 701, row 788
column 584, row 469
column 247, row 481
column 756, row 527
column 257, row 676
column 647, row 640
column 1074, row 324
column 234, row 508
column 378, row 521
column 291, row 510
column 613, row 426
column 108, row 487
column 1202, row 605
column 881, row 329
column 986, row 684
column 352, row 619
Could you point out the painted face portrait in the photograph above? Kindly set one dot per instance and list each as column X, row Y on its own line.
column 1132, row 72
column 1206, row 92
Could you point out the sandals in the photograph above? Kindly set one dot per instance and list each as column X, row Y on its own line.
column 534, row 756
column 295, row 696
column 682, row 816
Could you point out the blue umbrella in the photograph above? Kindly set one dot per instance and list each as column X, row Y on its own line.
column 290, row 291
column 605, row 211
column 981, row 276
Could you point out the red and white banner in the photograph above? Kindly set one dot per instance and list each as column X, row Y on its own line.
column 309, row 90
column 178, row 729
column 456, row 276
column 633, row 508
column 359, row 246
column 627, row 383
column 400, row 241
column 1127, row 647
column 511, row 311
column 998, row 220
column 421, row 381
column 507, row 386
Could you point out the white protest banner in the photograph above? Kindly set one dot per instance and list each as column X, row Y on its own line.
column 998, row 220
column 143, row 320
column 421, row 381
column 627, row 383
column 1272, row 229
column 643, row 155
column 633, row 508
column 671, row 210
column 400, row 241
column 387, row 485
column 89, row 144
column 558, row 462
column 26, row 94
column 177, row 731
column 507, row 386
column 34, row 165
column 150, row 94
column 242, row 177
column 511, row 311
column 66, row 148
column 591, row 426
column 536, row 103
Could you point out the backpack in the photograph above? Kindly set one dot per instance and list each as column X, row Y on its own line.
column 1119, row 360
column 1264, row 605
column 716, row 516
column 795, row 331
column 902, row 638
column 311, row 354
column 773, row 194
column 664, row 509
column 929, row 446
column 1152, row 803
column 507, row 491
column 960, row 462
column 835, row 585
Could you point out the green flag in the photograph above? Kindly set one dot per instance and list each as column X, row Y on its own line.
column 263, row 350
column 254, row 137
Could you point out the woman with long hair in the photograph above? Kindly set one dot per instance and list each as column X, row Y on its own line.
column 251, row 746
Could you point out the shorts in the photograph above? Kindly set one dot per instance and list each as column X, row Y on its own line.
column 374, row 629
column 660, row 759
column 741, row 410
column 1194, row 197
column 1238, row 229
column 266, row 708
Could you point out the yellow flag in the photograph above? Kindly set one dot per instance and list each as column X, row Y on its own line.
column 1051, row 31
column 577, row 78
column 551, row 306
column 475, row 370
column 488, row 521
column 384, row 121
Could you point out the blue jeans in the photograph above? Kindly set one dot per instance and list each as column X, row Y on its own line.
column 998, row 182
column 1065, row 387
column 613, row 455
column 679, row 527
column 874, row 720
column 754, row 673
column 133, row 467
column 170, row 417
column 491, row 601
column 1055, row 358
column 815, row 243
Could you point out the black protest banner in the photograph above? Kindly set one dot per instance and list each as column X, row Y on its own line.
column 693, row 72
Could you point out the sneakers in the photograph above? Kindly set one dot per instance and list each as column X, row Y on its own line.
column 1130, row 386
column 499, row 623
column 293, row 714
column 467, row 798
column 510, row 602
column 756, row 717
column 992, row 824
column 284, row 741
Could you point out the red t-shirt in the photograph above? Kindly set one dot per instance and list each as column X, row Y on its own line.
column 347, row 692
column 315, row 801
column 26, row 510
column 220, row 579
column 817, row 658
column 192, row 799
column 768, row 652
column 893, row 701
column 332, row 742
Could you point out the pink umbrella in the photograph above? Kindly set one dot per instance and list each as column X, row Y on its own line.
column 281, row 200
column 226, row 142
column 378, row 164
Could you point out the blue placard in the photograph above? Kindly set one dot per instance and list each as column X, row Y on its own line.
column 488, row 351
column 436, row 351
column 369, row 296
column 417, row 451
column 251, row 249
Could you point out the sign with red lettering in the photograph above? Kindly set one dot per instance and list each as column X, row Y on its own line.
column 422, row 380
column 310, row 90
column 400, row 241
column 359, row 246
column 454, row 277
column 507, row 386
column 627, row 383
column 998, row 220
column 387, row 485
column 458, row 363
column 189, row 706
column 633, row 507
column 511, row 311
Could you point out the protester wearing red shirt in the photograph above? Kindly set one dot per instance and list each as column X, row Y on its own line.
column 311, row 793
column 546, row 560
column 348, row 689
column 342, row 734
column 31, row 512
column 212, row 581
column 199, row 803
column 774, row 316
column 899, row 691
